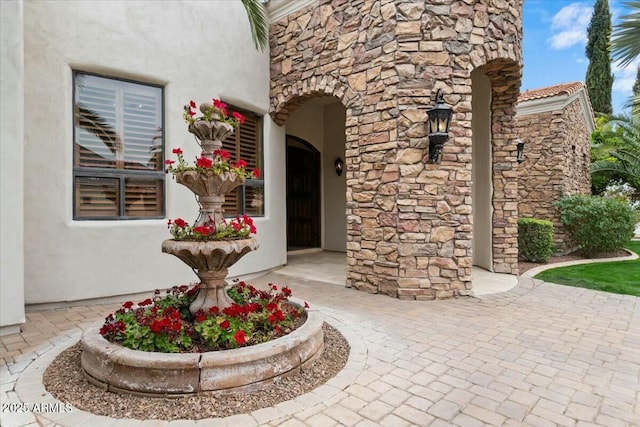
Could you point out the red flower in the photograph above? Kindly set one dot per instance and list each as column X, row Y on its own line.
column 240, row 164
column 200, row 316
column 240, row 337
column 168, row 162
column 176, row 326
column 238, row 117
column 224, row 324
column 224, row 154
column 192, row 103
column 214, row 310
column 272, row 306
column 274, row 287
column 145, row 302
column 286, row 291
column 256, row 172
column 180, row 222
column 177, row 151
column 203, row 230
column 204, row 162
column 220, row 106
column 156, row 326
column 278, row 329
column 128, row 304
column 306, row 305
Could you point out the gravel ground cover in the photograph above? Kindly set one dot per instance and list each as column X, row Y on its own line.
column 64, row 380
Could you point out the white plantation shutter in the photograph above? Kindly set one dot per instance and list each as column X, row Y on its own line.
column 118, row 149
column 96, row 137
column 141, row 129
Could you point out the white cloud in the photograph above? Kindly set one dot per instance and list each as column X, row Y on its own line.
column 625, row 77
column 570, row 26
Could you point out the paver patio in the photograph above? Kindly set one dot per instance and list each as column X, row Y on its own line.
column 540, row 354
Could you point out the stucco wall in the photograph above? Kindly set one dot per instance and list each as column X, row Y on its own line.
column 557, row 163
column 11, row 168
column 334, row 225
column 192, row 49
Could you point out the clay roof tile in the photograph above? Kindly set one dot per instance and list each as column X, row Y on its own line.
column 549, row 91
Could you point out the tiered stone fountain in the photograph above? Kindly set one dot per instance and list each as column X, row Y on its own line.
column 210, row 259
column 120, row 369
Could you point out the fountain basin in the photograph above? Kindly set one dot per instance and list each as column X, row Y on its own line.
column 122, row 370
column 210, row 255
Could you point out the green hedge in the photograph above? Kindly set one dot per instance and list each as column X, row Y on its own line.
column 597, row 224
column 535, row 239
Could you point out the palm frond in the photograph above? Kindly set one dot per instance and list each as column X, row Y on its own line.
column 625, row 43
column 258, row 22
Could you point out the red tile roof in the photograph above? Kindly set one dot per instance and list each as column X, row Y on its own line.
column 549, row 91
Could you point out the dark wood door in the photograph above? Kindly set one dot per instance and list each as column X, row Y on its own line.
column 303, row 195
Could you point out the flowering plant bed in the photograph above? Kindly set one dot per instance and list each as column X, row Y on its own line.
column 220, row 163
column 216, row 110
column 165, row 324
column 240, row 227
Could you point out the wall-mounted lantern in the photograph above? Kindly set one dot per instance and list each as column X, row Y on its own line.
column 520, row 150
column 339, row 165
column 439, row 122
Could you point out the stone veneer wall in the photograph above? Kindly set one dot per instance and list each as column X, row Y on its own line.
column 408, row 222
column 557, row 163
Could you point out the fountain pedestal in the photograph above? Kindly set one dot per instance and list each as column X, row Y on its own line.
column 210, row 260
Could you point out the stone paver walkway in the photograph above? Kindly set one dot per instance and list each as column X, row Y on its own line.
column 539, row 354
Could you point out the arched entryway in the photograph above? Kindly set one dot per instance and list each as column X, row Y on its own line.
column 303, row 194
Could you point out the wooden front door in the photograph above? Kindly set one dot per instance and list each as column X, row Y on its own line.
column 303, row 195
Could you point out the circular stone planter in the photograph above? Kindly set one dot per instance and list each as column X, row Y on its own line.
column 123, row 370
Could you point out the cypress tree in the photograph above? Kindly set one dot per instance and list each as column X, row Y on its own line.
column 599, row 78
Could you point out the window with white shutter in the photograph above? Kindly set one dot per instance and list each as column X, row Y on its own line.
column 118, row 149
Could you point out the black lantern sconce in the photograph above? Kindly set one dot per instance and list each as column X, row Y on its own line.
column 339, row 165
column 439, row 122
column 520, row 150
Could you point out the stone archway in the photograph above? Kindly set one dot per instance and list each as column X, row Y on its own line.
column 409, row 222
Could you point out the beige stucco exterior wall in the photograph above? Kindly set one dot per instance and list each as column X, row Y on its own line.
column 409, row 231
column 557, row 163
column 190, row 48
column 334, row 225
column 11, row 168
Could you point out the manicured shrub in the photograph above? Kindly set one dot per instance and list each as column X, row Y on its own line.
column 597, row 224
column 535, row 239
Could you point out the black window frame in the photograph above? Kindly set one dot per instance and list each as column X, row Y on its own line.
column 121, row 175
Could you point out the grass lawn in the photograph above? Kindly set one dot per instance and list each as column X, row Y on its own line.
column 620, row 277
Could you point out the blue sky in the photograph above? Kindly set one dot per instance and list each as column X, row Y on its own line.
column 555, row 34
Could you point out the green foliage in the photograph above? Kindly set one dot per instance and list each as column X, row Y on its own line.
column 535, row 239
column 597, row 224
column 626, row 35
column 599, row 79
column 258, row 22
column 615, row 153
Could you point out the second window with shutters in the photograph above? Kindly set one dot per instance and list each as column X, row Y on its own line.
column 246, row 144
